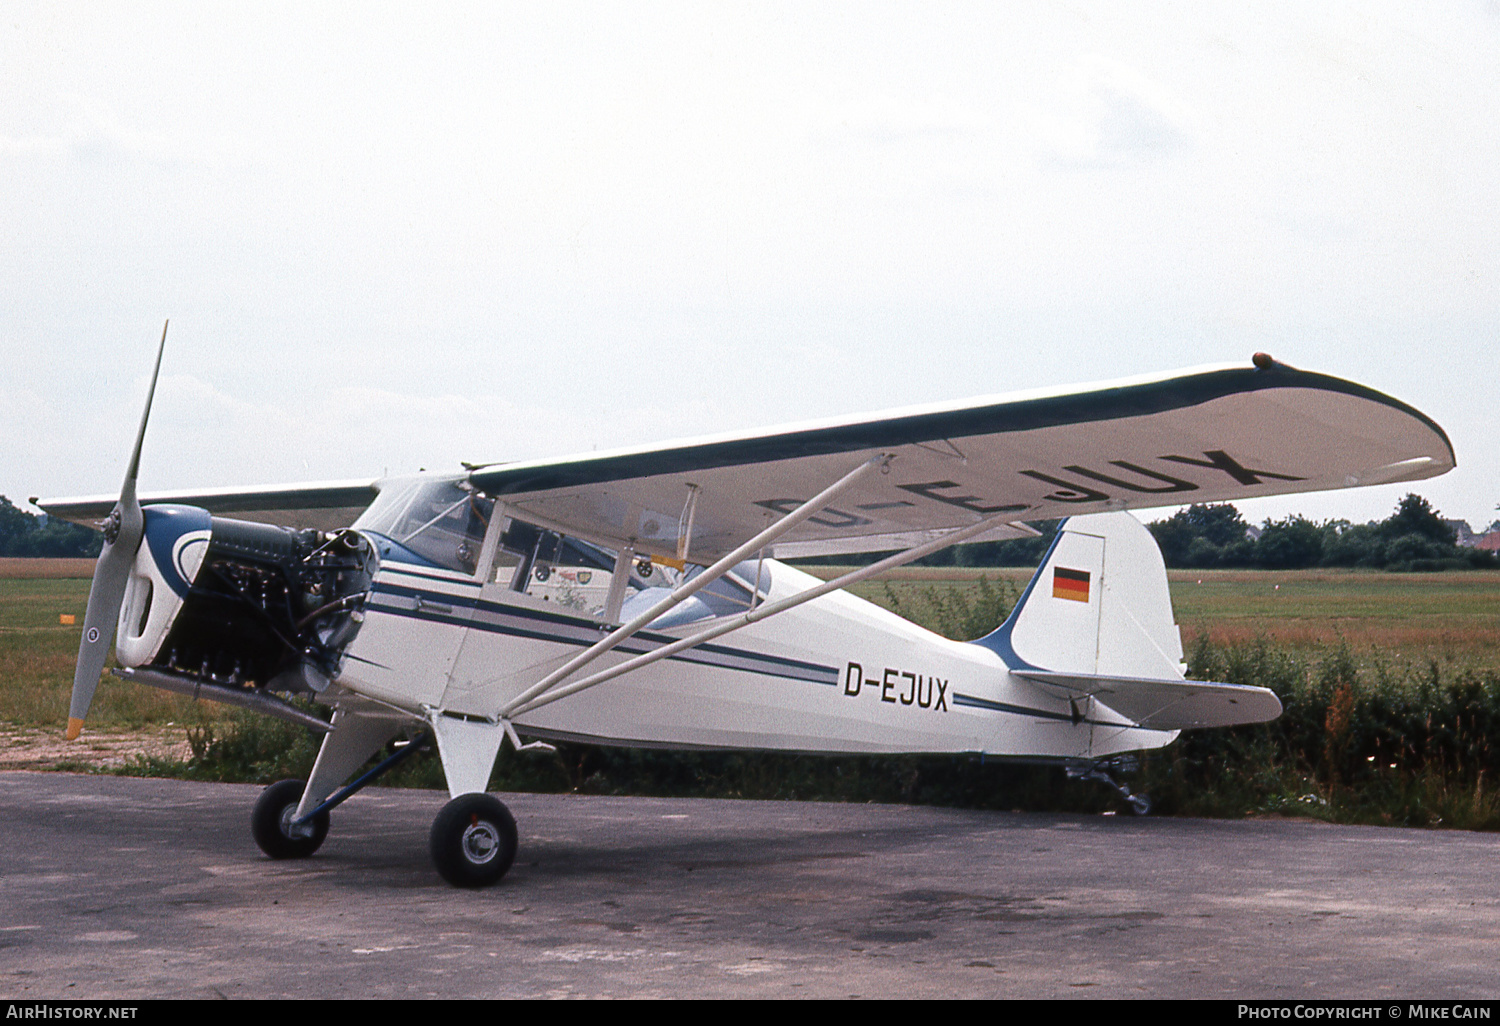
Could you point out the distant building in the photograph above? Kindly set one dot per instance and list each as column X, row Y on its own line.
column 1488, row 542
column 1464, row 535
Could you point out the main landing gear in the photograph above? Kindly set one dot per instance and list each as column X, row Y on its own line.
column 472, row 842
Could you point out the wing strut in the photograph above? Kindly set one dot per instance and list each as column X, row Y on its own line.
column 760, row 613
column 688, row 589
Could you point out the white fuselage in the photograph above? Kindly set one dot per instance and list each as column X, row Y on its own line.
column 836, row 674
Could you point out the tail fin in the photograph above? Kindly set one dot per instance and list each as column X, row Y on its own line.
column 1098, row 606
column 1096, row 621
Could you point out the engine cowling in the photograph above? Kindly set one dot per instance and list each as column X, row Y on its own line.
column 235, row 603
column 171, row 554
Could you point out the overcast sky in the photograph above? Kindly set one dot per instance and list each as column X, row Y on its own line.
column 392, row 237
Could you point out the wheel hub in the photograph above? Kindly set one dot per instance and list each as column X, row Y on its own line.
column 481, row 842
column 295, row 831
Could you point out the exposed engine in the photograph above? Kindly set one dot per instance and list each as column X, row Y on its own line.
column 264, row 606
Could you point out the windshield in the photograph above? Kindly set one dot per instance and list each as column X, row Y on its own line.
column 438, row 522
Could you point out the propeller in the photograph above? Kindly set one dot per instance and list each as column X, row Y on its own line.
column 122, row 538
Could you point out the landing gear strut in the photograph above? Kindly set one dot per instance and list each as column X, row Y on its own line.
column 282, row 834
column 473, row 840
column 1138, row 804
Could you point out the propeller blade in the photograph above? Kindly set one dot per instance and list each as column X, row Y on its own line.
column 111, row 574
column 122, row 538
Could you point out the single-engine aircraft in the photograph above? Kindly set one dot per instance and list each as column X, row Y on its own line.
column 631, row 597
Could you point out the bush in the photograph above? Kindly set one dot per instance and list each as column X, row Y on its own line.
column 1410, row 748
column 954, row 613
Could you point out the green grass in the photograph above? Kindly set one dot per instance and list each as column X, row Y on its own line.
column 37, row 656
column 1411, row 745
column 1407, row 619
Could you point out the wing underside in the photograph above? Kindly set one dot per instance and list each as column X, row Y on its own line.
column 1210, row 436
column 327, row 506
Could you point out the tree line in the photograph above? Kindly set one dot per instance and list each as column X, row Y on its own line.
column 29, row 534
column 1413, row 538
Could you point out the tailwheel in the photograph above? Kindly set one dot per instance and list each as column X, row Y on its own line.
column 272, row 827
column 1103, row 770
column 473, row 841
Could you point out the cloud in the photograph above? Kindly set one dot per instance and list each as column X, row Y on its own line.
column 1106, row 114
column 884, row 119
column 94, row 137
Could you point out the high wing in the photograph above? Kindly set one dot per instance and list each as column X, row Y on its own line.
column 1212, row 435
column 327, row 505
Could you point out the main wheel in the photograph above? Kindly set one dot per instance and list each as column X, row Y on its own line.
column 1140, row 805
column 473, row 841
column 271, row 823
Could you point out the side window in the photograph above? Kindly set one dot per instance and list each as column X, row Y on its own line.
column 569, row 573
column 735, row 592
column 577, row 577
column 514, row 555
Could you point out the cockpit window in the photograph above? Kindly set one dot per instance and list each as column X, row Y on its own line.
column 440, row 523
column 579, row 576
column 568, row 572
column 735, row 592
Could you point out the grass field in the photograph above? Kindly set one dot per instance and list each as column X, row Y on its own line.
column 45, row 567
column 37, row 654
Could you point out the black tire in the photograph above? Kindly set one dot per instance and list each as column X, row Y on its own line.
column 1140, row 805
column 473, row 841
column 270, row 822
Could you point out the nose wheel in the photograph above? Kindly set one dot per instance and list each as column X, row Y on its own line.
column 473, row 841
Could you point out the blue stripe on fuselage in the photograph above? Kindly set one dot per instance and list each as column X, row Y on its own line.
column 539, row 625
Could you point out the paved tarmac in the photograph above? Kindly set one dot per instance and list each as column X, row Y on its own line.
column 116, row 887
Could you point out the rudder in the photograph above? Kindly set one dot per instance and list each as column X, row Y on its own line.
column 1098, row 605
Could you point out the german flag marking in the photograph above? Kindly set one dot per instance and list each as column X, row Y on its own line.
column 1070, row 584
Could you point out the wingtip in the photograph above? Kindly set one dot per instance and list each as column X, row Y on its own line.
column 75, row 727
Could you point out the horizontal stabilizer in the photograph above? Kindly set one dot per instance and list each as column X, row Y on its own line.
column 1165, row 704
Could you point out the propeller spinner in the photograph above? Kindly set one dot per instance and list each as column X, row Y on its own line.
column 122, row 537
